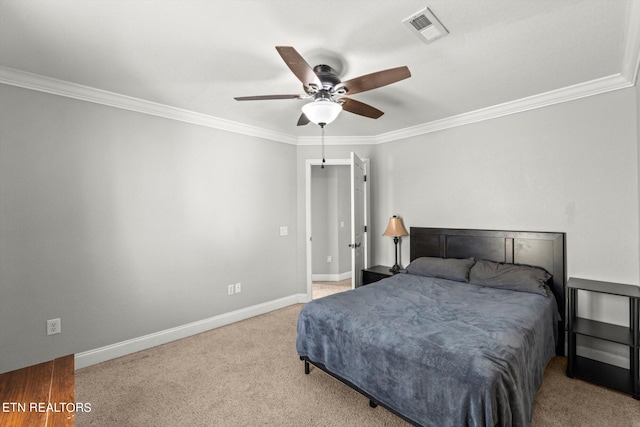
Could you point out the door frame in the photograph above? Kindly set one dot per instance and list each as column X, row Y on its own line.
column 308, row 235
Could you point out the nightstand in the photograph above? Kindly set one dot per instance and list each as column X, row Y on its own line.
column 375, row 273
column 625, row 380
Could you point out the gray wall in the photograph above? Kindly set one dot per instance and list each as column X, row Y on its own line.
column 331, row 219
column 124, row 224
column 637, row 89
column 344, row 218
column 324, row 217
column 571, row 167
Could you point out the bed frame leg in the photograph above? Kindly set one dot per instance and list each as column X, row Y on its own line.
column 372, row 403
column 306, row 367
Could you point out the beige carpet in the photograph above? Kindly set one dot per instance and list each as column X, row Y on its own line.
column 248, row 374
column 322, row 289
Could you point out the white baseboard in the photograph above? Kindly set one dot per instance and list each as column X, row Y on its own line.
column 102, row 354
column 113, row 351
column 331, row 277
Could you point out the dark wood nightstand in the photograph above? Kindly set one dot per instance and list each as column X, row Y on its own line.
column 375, row 273
column 625, row 380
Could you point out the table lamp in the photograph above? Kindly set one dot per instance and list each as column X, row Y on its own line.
column 396, row 230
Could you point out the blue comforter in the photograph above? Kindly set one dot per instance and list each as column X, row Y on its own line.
column 439, row 352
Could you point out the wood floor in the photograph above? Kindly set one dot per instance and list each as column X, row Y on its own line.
column 39, row 395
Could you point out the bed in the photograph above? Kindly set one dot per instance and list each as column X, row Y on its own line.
column 445, row 343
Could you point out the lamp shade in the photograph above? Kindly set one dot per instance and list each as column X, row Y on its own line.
column 322, row 110
column 395, row 228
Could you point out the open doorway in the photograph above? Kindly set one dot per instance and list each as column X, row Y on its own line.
column 331, row 229
column 336, row 216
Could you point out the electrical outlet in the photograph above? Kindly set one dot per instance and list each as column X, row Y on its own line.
column 53, row 326
column 230, row 290
column 238, row 288
column 328, row 258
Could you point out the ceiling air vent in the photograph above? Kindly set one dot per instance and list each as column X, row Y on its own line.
column 426, row 26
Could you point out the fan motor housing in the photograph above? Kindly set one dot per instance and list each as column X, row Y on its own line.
column 327, row 76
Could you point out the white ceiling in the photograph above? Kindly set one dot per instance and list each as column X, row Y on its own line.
column 198, row 55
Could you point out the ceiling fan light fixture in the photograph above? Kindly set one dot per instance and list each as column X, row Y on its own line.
column 322, row 111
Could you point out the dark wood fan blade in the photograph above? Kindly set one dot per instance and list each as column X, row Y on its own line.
column 375, row 80
column 264, row 97
column 303, row 120
column 299, row 66
column 360, row 108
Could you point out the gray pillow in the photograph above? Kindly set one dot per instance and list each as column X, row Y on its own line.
column 444, row 268
column 515, row 277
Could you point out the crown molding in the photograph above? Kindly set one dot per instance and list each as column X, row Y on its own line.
column 631, row 55
column 53, row 86
column 40, row 83
column 569, row 93
column 337, row 140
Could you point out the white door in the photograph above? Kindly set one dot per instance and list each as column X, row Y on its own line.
column 357, row 219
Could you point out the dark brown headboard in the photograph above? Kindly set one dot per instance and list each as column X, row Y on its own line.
column 540, row 249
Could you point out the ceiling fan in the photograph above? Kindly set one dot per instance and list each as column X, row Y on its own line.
column 322, row 84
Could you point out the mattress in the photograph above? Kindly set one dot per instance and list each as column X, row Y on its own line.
column 438, row 352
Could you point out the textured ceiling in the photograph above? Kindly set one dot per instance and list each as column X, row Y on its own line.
column 198, row 55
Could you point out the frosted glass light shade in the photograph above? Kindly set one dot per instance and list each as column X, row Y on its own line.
column 322, row 111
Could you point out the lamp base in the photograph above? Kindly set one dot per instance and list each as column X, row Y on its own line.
column 396, row 267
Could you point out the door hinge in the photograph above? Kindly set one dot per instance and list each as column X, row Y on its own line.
column 365, row 228
column 365, row 178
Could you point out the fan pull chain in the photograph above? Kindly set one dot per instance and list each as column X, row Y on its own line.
column 322, row 166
